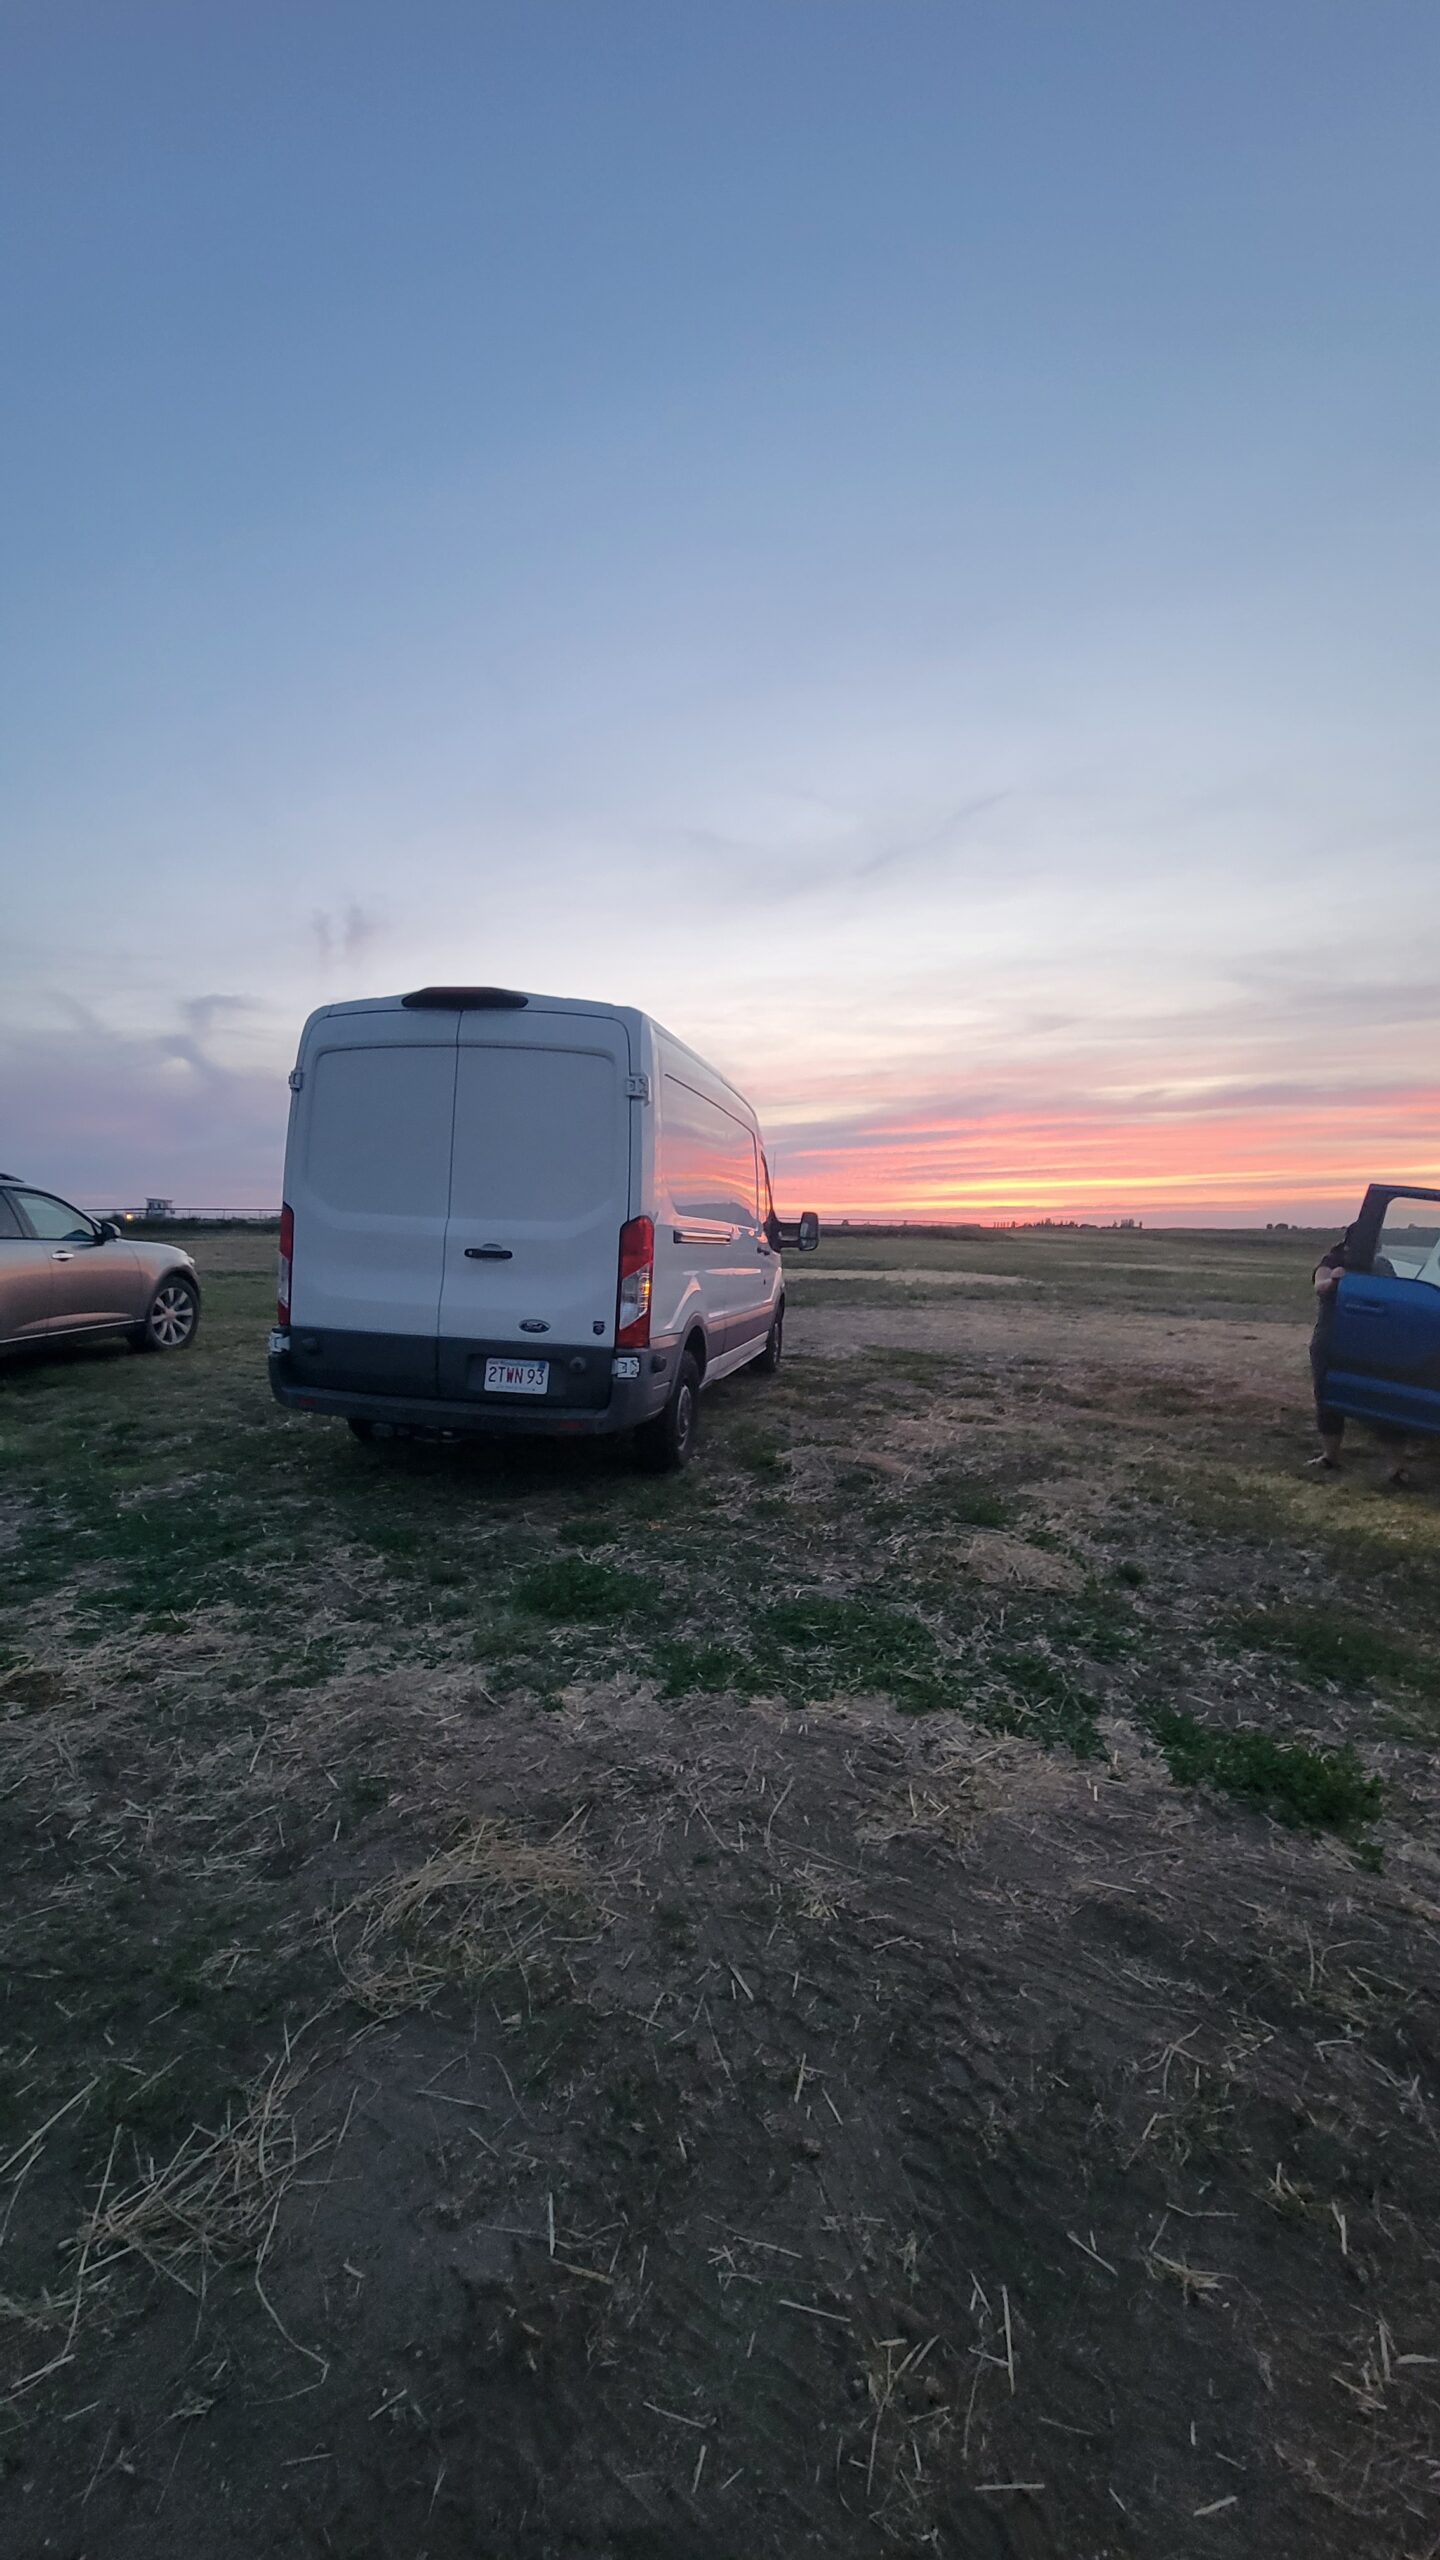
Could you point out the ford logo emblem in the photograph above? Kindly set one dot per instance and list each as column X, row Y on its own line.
column 533, row 1324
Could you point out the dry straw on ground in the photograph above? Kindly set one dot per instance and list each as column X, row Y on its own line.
column 491, row 1903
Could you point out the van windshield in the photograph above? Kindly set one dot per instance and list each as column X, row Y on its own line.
column 537, row 1134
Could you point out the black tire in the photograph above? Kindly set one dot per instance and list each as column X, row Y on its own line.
column 667, row 1444
column 770, row 1357
column 172, row 1318
column 362, row 1430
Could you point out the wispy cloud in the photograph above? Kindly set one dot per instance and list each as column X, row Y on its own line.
column 346, row 933
column 108, row 1114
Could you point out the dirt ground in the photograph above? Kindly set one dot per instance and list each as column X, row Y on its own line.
column 880, row 1999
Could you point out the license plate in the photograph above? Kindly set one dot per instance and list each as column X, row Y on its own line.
column 517, row 1377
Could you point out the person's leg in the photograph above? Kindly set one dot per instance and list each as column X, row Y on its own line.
column 1329, row 1424
column 1331, row 1428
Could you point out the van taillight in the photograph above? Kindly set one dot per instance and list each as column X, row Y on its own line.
column 637, row 1264
column 287, row 1257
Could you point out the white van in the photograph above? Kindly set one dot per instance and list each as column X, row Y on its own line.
column 513, row 1213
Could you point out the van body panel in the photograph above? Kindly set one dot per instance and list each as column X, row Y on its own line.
column 709, row 1235
column 459, row 1180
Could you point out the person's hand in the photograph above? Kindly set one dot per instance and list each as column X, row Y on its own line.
column 1325, row 1281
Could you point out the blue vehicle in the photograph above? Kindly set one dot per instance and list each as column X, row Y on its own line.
column 1383, row 1354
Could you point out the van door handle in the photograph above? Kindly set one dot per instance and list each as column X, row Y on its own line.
column 62, row 1257
column 488, row 1253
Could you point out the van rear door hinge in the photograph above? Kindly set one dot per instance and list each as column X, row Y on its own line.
column 296, row 1078
column 637, row 1088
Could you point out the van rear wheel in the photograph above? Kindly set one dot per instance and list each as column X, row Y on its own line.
column 665, row 1445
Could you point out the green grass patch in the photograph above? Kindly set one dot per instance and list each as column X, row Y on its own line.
column 753, row 1447
column 574, row 1588
column 1046, row 1703
column 1101, row 1624
column 973, row 1507
column 1309, row 1789
column 684, row 1668
column 163, row 1556
column 857, row 1644
column 1331, row 1647
column 591, row 1529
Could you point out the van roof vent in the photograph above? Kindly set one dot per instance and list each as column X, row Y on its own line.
column 465, row 1000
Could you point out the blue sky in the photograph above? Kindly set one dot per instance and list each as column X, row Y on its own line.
column 901, row 536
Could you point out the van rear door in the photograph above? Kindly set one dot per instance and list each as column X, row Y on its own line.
column 368, row 1176
column 539, row 1191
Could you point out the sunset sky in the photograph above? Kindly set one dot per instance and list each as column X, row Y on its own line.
column 901, row 536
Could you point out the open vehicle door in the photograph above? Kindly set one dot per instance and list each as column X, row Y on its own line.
column 1384, row 1351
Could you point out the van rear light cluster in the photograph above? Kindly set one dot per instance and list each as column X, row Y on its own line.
column 286, row 1263
column 637, row 1269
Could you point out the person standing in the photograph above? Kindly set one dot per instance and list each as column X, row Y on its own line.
column 1326, row 1276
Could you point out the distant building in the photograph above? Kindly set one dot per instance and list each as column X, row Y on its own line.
column 159, row 1208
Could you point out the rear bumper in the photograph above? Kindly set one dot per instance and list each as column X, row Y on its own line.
column 303, row 1387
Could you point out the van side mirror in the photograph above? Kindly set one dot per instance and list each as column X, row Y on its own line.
column 105, row 1230
column 796, row 1235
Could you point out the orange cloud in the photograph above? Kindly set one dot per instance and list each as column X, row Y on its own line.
column 1227, row 1157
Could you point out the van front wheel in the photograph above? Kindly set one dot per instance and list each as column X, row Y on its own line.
column 666, row 1444
column 769, row 1360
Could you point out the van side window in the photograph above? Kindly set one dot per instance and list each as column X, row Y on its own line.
column 707, row 1159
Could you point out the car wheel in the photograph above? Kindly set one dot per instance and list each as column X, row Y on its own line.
column 769, row 1360
column 172, row 1318
column 666, row 1445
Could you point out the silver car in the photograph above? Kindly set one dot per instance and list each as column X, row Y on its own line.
column 63, row 1273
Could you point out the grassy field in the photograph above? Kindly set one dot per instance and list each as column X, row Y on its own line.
column 879, row 1997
